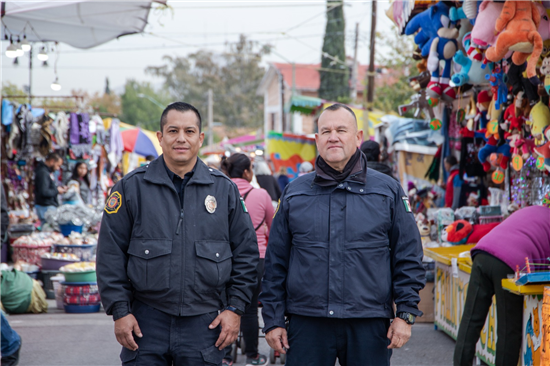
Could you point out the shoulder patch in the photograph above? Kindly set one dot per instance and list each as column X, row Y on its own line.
column 277, row 209
column 406, row 203
column 114, row 202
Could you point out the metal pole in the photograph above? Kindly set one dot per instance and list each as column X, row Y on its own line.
column 210, row 117
column 370, row 77
column 282, row 103
column 293, row 93
column 30, row 76
column 353, row 89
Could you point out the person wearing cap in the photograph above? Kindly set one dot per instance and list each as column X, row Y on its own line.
column 305, row 167
column 343, row 249
column 177, row 253
column 371, row 149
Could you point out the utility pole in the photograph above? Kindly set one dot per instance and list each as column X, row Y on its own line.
column 293, row 94
column 354, row 68
column 370, row 74
column 282, row 103
column 210, row 118
column 30, row 76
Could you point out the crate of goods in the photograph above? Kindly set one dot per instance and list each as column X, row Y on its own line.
column 54, row 261
column 30, row 248
column 79, row 272
column 58, row 290
column 83, row 251
column 80, row 297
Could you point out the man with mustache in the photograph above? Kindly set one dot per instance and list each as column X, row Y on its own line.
column 343, row 248
column 177, row 253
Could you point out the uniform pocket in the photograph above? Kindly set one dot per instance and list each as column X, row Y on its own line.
column 149, row 264
column 128, row 357
column 212, row 355
column 213, row 265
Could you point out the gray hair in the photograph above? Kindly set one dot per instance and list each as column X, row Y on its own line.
column 261, row 168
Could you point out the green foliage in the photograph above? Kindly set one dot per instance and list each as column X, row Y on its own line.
column 141, row 111
column 233, row 76
column 335, row 75
column 9, row 88
column 395, row 55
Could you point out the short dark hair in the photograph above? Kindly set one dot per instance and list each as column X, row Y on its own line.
column 180, row 107
column 150, row 157
column 53, row 156
column 338, row 106
column 451, row 159
column 371, row 149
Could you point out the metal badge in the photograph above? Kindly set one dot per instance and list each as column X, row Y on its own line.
column 210, row 204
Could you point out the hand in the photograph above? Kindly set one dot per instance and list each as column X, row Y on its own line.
column 399, row 333
column 231, row 323
column 62, row 190
column 278, row 340
column 123, row 331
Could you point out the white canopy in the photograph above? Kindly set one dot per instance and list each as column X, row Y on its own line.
column 81, row 24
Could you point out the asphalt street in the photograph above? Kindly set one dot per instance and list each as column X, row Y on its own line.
column 57, row 338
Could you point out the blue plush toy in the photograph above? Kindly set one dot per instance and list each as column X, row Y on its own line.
column 437, row 39
column 472, row 71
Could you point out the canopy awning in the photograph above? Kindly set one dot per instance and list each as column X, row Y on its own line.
column 81, row 24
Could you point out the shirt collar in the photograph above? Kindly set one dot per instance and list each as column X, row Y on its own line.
column 172, row 175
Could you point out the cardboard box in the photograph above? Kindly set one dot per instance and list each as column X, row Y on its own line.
column 426, row 304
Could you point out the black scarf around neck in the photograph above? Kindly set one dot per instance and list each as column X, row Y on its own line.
column 322, row 165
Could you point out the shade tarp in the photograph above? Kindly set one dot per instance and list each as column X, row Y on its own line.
column 81, row 24
column 303, row 104
column 139, row 141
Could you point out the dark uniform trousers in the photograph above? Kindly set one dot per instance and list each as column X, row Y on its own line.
column 173, row 340
column 354, row 342
column 485, row 281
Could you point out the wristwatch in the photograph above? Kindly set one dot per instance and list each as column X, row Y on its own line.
column 407, row 317
column 234, row 309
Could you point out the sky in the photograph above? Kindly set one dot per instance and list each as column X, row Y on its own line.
column 295, row 30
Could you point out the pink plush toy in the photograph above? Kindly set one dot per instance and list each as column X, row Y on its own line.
column 483, row 33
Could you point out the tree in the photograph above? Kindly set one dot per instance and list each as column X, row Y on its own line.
column 334, row 73
column 12, row 90
column 139, row 104
column 233, row 75
column 395, row 57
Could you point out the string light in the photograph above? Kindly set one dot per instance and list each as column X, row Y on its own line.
column 11, row 51
column 25, row 45
column 42, row 55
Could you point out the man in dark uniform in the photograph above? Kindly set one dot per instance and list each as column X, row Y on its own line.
column 343, row 247
column 177, row 253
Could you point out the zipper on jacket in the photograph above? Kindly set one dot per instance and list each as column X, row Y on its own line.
column 180, row 222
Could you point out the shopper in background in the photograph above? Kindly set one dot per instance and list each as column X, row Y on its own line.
column 80, row 178
column 11, row 343
column 305, row 167
column 258, row 202
column 282, row 179
column 525, row 234
column 454, row 182
column 371, row 149
column 45, row 189
column 266, row 180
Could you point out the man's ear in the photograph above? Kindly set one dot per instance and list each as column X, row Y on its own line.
column 359, row 138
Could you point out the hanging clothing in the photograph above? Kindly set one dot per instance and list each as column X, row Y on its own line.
column 80, row 129
column 7, row 112
column 116, row 145
column 61, row 126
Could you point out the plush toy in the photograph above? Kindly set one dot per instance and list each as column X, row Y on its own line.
column 545, row 70
column 483, row 102
column 483, row 33
column 471, row 71
column 518, row 81
column 517, row 24
column 544, row 150
column 539, row 118
column 437, row 38
column 494, row 145
column 458, row 232
column 498, row 85
column 424, row 230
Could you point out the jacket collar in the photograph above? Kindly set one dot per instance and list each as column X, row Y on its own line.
column 156, row 173
column 358, row 174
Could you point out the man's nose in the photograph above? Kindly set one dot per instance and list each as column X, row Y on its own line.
column 181, row 137
column 333, row 136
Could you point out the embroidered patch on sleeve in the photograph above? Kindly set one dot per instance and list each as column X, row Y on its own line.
column 114, row 202
column 244, row 206
column 406, row 203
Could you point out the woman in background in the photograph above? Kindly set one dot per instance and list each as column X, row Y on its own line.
column 80, row 178
column 258, row 202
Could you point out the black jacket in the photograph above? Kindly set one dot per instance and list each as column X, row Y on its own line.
column 270, row 184
column 5, row 218
column 45, row 189
column 345, row 250
column 381, row 167
column 182, row 261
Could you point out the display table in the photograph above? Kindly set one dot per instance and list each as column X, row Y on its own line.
column 450, row 297
column 532, row 326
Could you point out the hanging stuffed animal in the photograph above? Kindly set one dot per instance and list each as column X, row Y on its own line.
column 498, row 85
column 539, row 118
column 471, row 71
column 494, row 145
column 545, row 70
column 437, row 39
column 483, row 33
column 544, row 150
column 517, row 24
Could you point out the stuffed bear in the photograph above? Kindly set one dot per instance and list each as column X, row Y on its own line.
column 518, row 27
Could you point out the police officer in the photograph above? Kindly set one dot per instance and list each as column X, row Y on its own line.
column 343, row 248
column 177, row 253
